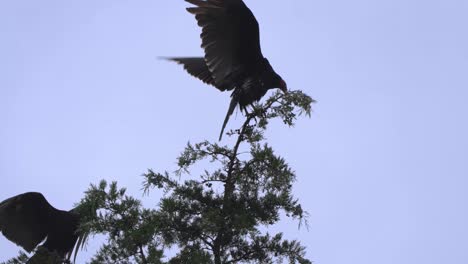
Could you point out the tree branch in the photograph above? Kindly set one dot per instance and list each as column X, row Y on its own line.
column 143, row 257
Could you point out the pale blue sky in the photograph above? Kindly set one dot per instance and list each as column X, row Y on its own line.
column 382, row 164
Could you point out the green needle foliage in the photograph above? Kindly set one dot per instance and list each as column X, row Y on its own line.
column 20, row 259
column 214, row 218
column 217, row 216
column 131, row 230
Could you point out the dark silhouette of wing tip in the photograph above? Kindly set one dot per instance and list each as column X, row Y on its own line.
column 208, row 3
column 165, row 58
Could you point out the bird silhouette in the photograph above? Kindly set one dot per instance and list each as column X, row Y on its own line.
column 233, row 58
column 28, row 219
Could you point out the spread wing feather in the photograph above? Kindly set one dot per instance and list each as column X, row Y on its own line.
column 196, row 66
column 24, row 219
column 230, row 38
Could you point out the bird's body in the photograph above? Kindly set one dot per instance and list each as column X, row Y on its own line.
column 27, row 219
column 233, row 59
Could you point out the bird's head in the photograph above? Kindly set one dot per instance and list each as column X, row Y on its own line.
column 272, row 79
column 278, row 82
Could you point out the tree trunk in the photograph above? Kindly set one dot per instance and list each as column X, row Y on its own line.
column 217, row 254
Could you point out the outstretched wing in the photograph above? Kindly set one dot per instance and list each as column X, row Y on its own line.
column 196, row 66
column 230, row 38
column 24, row 219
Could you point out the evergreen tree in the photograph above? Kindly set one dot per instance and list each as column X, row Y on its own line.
column 216, row 217
column 219, row 213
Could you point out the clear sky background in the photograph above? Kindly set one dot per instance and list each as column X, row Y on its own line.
column 382, row 165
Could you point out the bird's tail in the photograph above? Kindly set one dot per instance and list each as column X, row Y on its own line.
column 232, row 106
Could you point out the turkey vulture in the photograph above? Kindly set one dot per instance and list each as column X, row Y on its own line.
column 233, row 59
column 28, row 219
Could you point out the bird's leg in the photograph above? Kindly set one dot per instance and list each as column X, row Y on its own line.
column 245, row 110
column 259, row 111
column 254, row 112
column 253, row 107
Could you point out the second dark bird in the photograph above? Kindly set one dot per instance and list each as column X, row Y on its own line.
column 233, row 58
column 28, row 219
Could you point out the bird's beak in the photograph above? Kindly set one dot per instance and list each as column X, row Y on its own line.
column 283, row 86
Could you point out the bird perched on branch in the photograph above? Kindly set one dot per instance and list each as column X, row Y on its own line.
column 28, row 219
column 233, row 59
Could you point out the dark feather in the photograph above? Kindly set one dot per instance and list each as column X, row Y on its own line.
column 233, row 58
column 28, row 219
column 230, row 38
column 24, row 219
column 231, row 108
column 196, row 66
